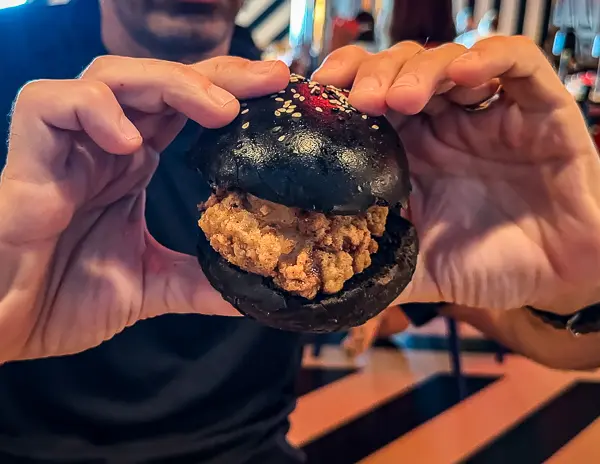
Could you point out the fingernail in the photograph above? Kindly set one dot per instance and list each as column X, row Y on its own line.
column 220, row 96
column 367, row 84
column 407, row 80
column 128, row 129
column 263, row 67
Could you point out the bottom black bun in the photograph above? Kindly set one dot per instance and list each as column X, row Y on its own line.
column 364, row 296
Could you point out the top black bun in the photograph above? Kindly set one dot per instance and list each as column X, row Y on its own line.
column 306, row 147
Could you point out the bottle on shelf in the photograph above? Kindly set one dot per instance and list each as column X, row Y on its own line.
column 594, row 96
column 564, row 47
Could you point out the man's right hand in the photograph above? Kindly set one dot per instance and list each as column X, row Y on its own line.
column 77, row 262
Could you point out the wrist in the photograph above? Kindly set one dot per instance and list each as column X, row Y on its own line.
column 553, row 347
column 523, row 332
column 569, row 303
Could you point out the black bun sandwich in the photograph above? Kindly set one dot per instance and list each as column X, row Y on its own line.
column 303, row 231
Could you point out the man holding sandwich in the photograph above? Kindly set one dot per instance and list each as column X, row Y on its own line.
column 116, row 348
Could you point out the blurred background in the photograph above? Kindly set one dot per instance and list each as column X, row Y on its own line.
column 440, row 393
column 303, row 32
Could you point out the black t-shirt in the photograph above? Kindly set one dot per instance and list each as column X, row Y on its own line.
column 177, row 388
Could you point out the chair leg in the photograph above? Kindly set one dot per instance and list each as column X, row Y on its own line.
column 499, row 355
column 454, row 349
column 317, row 345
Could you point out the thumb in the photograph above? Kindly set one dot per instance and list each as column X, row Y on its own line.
column 175, row 284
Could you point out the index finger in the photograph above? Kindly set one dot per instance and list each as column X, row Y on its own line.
column 340, row 67
column 524, row 71
column 245, row 78
column 153, row 86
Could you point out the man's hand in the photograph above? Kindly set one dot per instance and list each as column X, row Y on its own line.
column 526, row 334
column 506, row 201
column 78, row 265
column 387, row 323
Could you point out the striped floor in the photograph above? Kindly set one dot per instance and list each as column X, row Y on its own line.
column 404, row 406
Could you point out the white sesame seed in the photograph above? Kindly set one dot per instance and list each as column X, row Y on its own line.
column 364, row 116
column 279, row 99
column 319, row 109
column 293, row 90
column 302, row 99
column 282, row 138
column 375, row 126
column 245, row 111
column 277, row 113
column 245, row 125
column 296, row 115
column 290, row 110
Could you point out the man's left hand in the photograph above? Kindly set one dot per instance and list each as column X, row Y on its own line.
column 506, row 201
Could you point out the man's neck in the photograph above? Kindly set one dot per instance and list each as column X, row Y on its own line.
column 118, row 41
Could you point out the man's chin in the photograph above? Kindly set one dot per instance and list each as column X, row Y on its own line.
column 187, row 34
column 208, row 9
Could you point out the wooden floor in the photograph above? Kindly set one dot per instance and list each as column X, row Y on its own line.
column 405, row 406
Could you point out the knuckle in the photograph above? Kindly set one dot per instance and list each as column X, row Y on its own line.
column 182, row 74
column 529, row 45
column 445, row 53
column 178, row 71
column 31, row 89
column 384, row 59
column 224, row 67
column 227, row 64
column 352, row 49
column 453, row 48
column 525, row 41
column 349, row 50
column 412, row 44
column 408, row 46
column 33, row 92
column 101, row 65
column 95, row 91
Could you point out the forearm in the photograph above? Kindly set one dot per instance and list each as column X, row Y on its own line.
column 524, row 333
